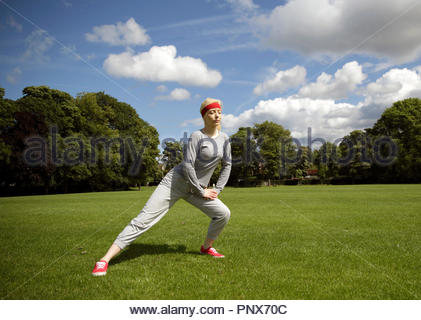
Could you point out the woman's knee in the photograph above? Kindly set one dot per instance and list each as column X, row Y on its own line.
column 225, row 214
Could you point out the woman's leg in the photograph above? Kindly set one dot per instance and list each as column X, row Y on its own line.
column 161, row 200
column 214, row 209
column 157, row 206
column 208, row 243
column 111, row 253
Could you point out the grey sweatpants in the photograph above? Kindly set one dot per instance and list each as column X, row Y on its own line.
column 173, row 187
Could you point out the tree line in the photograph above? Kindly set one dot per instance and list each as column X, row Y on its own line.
column 51, row 142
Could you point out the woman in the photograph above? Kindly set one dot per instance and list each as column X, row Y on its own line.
column 189, row 180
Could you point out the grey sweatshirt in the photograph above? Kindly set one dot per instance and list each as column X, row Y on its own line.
column 201, row 157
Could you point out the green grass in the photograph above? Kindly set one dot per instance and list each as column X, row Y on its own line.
column 288, row 242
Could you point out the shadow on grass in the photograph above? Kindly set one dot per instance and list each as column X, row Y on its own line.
column 139, row 249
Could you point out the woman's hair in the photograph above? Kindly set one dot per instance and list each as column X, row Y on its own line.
column 207, row 102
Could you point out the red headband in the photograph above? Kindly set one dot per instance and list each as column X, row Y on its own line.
column 214, row 105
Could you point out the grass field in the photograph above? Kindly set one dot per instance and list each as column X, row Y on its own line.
column 287, row 242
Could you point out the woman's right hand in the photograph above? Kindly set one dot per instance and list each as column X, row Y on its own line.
column 210, row 194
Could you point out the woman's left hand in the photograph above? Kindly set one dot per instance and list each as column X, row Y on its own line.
column 210, row 194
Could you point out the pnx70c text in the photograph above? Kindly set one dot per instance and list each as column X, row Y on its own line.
column 261, row 309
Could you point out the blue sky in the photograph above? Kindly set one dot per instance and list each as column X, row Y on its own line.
column 332, row 65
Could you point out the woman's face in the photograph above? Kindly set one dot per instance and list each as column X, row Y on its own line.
column 212, row 118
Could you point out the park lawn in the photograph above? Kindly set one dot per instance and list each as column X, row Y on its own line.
column 286, row 242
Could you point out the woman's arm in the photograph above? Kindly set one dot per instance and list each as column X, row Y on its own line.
column 226, row 167
column 188, row 165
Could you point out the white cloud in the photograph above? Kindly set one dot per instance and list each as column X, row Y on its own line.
column 344, row 81
column 394, row 85
column 338, row 27
column 14, row 24
column 178, row 94
column 161, row 64
column 161, row 88
column 13, row 76
column 282, row 81
column 37, row 44
column 126, row 34
column 328, row 119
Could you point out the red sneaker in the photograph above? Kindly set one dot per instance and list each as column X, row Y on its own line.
column 100, row 268
column 211, row 251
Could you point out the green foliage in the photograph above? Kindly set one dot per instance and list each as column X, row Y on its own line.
column 57, row 107
column 245, row 158
column 264, row 152
column 17, row 173
column 402, row 122
column 355, row 150
column 172, row 155
column 272, row 139
column 325, row 161
column 215, row 176
column 91, row 142
column 300, row 167
column 7, row 110
column 122, row 118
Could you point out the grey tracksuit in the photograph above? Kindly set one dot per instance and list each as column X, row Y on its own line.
column 188, row 180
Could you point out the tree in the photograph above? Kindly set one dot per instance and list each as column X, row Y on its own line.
column 64, row 120
column 274, row 144
column 355, row 156
column 19, row 174
column 57, row 107
column 7, row 121
column 326, row 161
column 245, row 158
column 402, row 123
column 172, row 155
column 142, row 136
column 300, row 167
